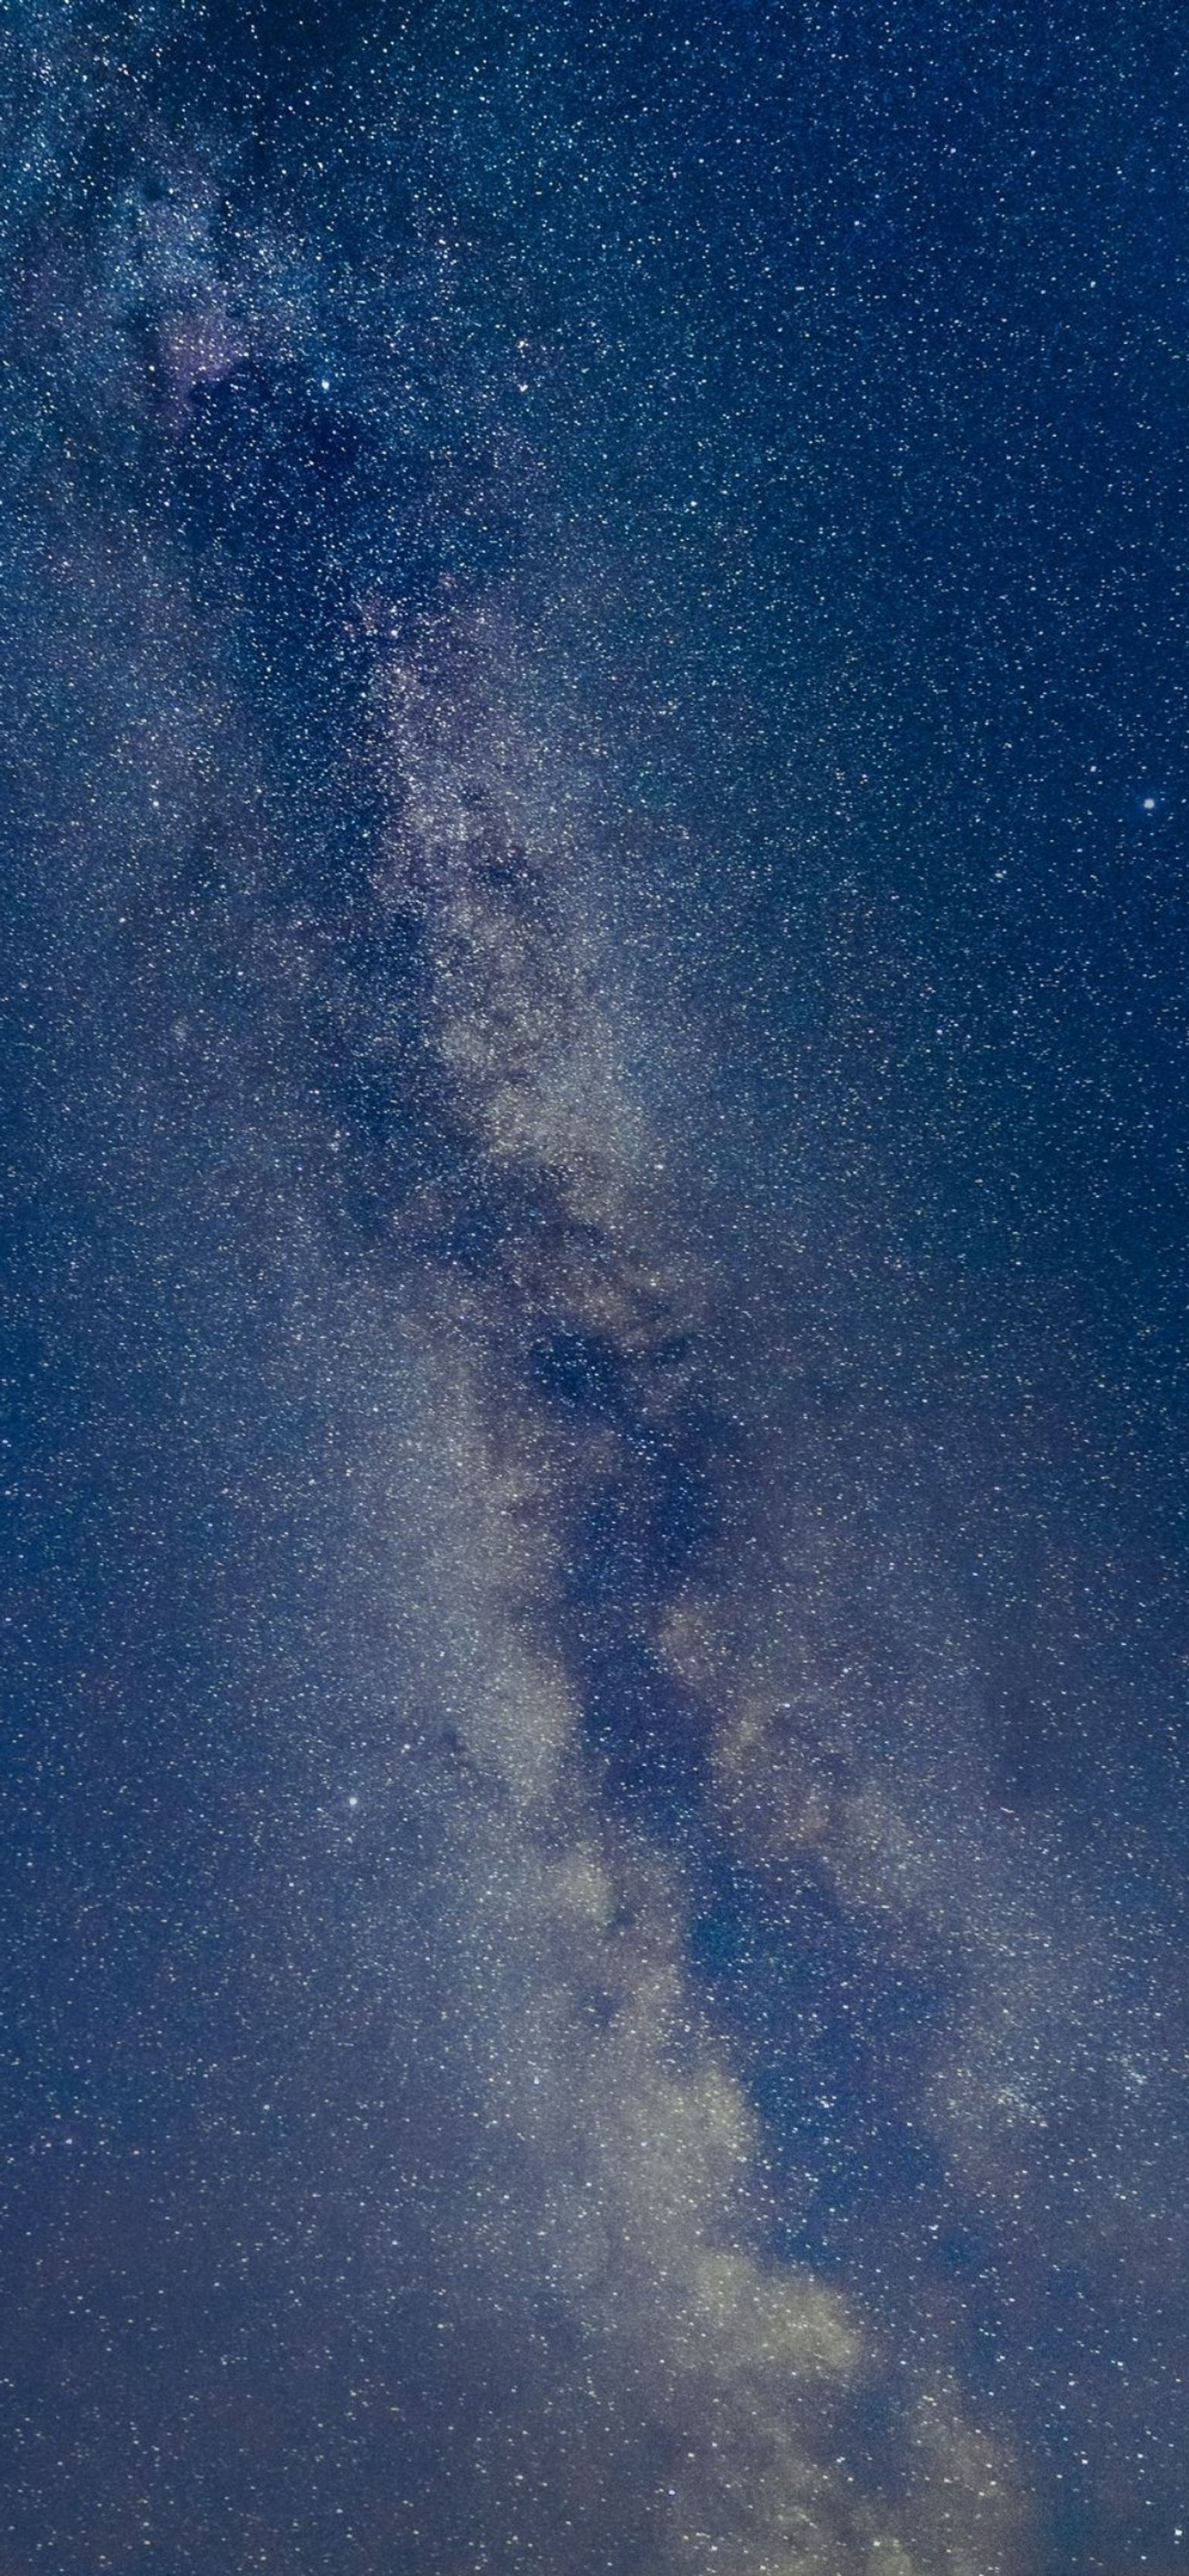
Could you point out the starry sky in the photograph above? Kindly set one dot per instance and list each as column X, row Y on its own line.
column 595, row 1594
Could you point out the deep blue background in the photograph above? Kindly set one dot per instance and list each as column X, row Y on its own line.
column 815, row 379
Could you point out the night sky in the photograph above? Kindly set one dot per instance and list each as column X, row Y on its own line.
column 593, row 790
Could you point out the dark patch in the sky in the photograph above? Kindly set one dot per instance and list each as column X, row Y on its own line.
column 582, row 1372
column 644, row 1523
column 639, row 1531
column 649, row 1742
column 834, row 2040
column 296, row 496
